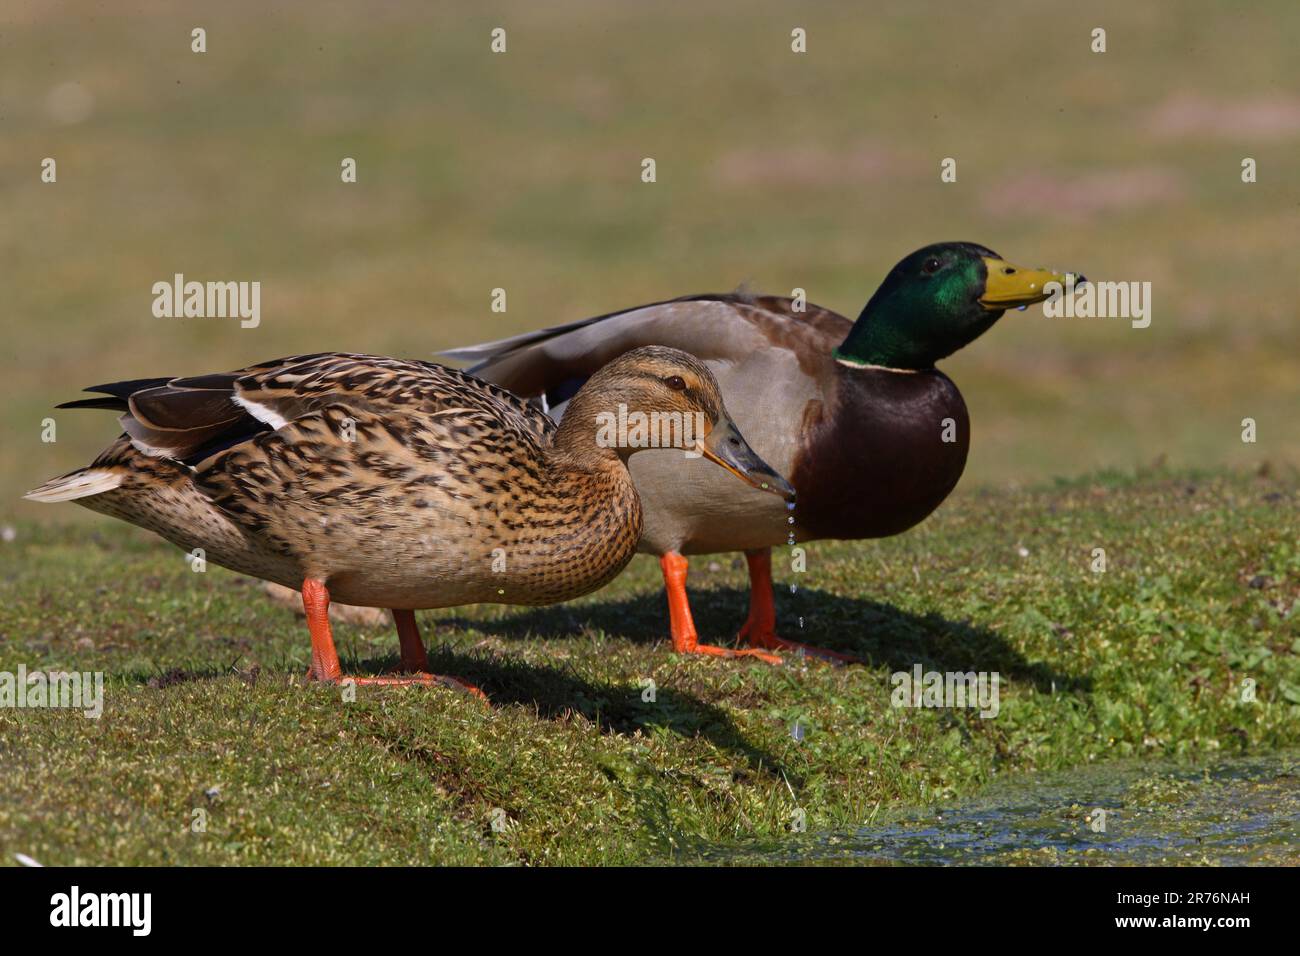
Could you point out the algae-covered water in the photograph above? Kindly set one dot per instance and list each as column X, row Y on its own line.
column 1235, row 811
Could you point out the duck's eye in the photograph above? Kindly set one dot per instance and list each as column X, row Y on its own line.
column 931, row 266
column 676, row 383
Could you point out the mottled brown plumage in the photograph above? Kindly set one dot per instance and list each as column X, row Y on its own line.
column 399, row 484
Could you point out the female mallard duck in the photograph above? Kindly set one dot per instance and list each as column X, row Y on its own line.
column 872, row 435
column 400, row 484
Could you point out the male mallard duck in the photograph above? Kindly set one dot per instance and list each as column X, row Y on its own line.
column 872, row 435
column 399, row 484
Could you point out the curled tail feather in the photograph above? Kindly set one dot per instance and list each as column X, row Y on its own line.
column 82, row 483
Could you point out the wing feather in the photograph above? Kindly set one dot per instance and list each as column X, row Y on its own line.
column 191, row 419
column 549, row 365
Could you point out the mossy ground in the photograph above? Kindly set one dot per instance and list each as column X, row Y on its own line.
column 206, row 709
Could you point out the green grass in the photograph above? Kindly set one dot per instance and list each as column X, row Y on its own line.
column 206, row 710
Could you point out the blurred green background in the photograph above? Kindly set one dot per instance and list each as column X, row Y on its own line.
column 775, row 170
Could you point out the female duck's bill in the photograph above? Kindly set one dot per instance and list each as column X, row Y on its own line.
column 658, row 397
column 725, row 446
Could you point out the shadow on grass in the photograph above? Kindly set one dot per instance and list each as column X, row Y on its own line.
column 554, row 692
column 615, row 708
column 880, row 634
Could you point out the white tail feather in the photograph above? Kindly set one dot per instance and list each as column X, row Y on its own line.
column 79, row 484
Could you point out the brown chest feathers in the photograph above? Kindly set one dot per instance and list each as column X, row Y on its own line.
column 883, row 457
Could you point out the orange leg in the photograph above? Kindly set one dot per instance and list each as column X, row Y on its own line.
column 325, row 659
column 685, row 640
column 414, row 660
column 759, row 629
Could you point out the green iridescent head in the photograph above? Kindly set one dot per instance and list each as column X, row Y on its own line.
column 937, row 300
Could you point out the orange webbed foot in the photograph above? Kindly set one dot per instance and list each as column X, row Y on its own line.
column 759, row 629
column 685, row 639
column 756, row 637
column 325, row 659
column 713, row 650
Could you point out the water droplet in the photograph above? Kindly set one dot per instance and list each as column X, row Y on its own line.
column 789, row 506
column 1021, row 308
column 793, row 588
